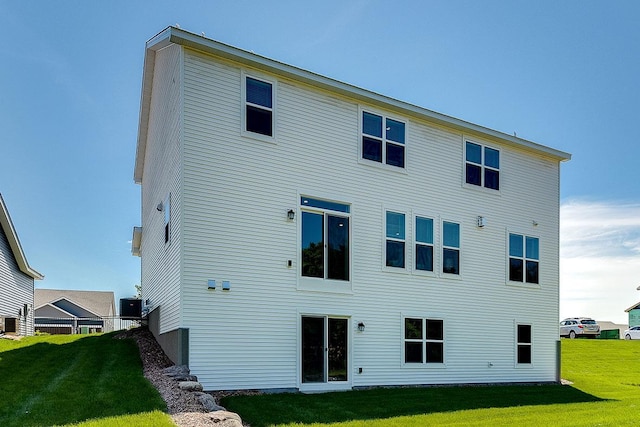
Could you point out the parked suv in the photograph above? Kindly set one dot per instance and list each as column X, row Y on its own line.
column 579, row 326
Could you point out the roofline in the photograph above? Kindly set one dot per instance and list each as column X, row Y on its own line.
column 633, row 307
column 173, row 35
column 14, row 242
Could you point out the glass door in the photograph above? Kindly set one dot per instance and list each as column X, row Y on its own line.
column 324, row 349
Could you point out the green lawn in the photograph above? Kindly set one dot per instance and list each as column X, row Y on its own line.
column 61, row 380
column 96, row 381
column 606, row 392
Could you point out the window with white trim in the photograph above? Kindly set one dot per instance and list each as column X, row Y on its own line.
column 383, row 139
column 424, row 243
column 524, row 258
column 482, row 166
column 450, row 247
column 258, row 106
column 523, row 344
column 395, row 239
column 325, row 239
column 423, row 340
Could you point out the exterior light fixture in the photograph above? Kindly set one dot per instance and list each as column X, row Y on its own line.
column 291, row 214
column 482, row 221
column 160, row 207
column 361, row 326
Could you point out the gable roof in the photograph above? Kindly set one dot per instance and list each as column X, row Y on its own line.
column 101, row 303
column 173, row 35
column 14, row 242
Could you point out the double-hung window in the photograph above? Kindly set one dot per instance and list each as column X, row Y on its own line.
column 424, row 244
column 482, row 166
column 450, row 247
column 523, row 344
column 325, row 239
column 524, row 258
column 395, row 240
column 423, row 340
column 258, row 106
column 383, row 139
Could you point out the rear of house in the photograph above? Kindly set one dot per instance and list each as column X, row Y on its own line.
column 16, row 280
column 299, row 233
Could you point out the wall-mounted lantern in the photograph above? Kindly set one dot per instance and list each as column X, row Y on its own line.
column 291, row 214
column 361, row 326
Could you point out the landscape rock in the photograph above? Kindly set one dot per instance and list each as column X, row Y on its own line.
column 176, row 370
column 190, row 386
column 226, row 419
column 209, row 403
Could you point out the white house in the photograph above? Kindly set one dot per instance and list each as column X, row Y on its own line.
column 300, row 233
column 16, row 280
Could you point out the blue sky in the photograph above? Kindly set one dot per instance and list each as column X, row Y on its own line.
column 563, row 74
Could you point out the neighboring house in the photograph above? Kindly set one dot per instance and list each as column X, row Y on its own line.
column 634, row 314
column 300, row 233
column 74, row 312
column 16, row 280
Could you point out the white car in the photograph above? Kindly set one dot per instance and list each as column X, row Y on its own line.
column 632, row 333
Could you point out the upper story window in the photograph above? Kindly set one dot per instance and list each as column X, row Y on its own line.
column 383, row 139
column 325, row 239
column 482, row 166
column 524, row 258
column 258, row 106
column 424, row 243
column 395, row 239
column 450, row 247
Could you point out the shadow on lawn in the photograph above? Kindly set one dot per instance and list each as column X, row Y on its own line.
column 264, row 410
column 60, row 380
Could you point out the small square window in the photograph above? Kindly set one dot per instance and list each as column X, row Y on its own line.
column 383, row 139
column 423, row 341
column 482, row 166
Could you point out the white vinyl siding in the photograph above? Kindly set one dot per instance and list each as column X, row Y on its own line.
column 16, row 289
column 162, row 175
column 231, row 210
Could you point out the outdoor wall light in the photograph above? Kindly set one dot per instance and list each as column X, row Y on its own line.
column 291, row 214
column 361, row 326
column 482, row 221
column 160, row 207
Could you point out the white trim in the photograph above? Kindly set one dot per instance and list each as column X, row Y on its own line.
column 442, row 247
column 523, row 284
column 423, row 365
column 382, row 164
column 407, row 233
column 243, row 103
column 435, row 232
column 517, row 365
column 481, row 187
column 317, row 284
column 326, row 385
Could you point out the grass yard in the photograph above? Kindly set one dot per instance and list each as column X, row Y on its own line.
column 68, row 379
column 96, row 381
column 606, row 392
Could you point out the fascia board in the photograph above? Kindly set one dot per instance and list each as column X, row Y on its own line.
column 14, row 242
